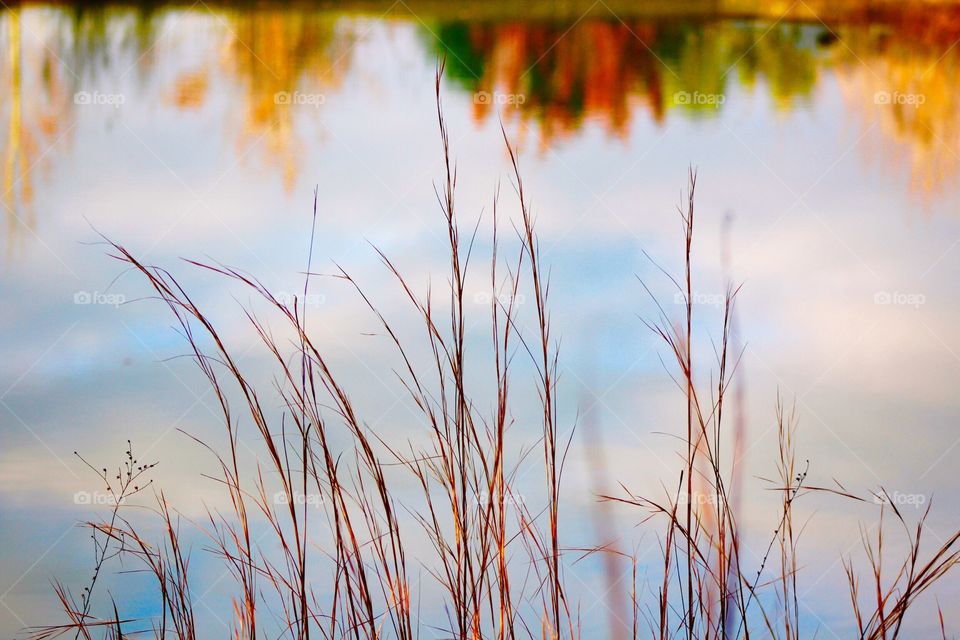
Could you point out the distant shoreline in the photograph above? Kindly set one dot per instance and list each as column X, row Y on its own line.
column 836, row 11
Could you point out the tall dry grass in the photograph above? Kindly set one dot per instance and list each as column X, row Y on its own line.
column 498, row 562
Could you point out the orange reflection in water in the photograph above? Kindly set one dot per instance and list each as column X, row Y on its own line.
column 905, row 83
column 560, row 79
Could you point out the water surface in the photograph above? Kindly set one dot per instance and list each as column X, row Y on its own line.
column 826, row 141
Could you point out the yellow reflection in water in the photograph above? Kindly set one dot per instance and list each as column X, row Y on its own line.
column 35, row 113
column 905, row 83
column 287, row 63
column 15, row 161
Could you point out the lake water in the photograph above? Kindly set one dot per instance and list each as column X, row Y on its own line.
column 826, row 140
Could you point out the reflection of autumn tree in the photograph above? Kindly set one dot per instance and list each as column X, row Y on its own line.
column 34, row 109
column 599, row 70
column 786, row 58
column 905, row 82
column 591, row 72
column 265, row 51
column 281, row 52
